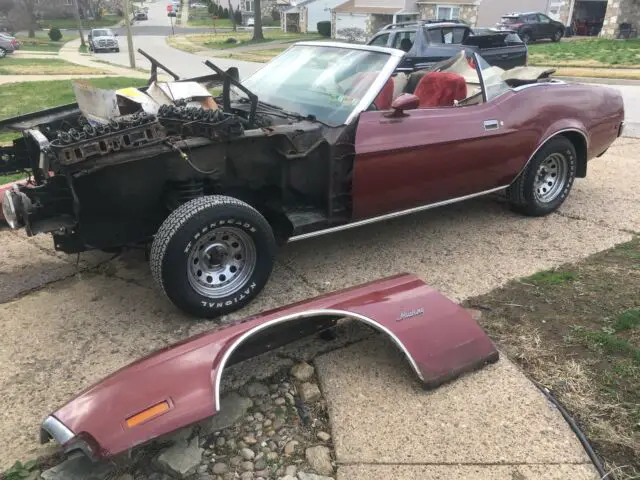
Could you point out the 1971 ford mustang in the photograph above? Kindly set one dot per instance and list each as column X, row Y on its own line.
column 325, row 137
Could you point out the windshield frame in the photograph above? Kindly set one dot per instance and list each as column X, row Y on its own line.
column 395, row 57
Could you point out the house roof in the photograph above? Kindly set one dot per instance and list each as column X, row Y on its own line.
column 294, row 8
column 350, row 7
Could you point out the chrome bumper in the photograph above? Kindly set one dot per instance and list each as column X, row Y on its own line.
column 54, row 428
column 621, row 129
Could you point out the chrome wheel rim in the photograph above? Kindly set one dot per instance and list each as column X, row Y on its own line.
column 551, row 177
column 221, row 261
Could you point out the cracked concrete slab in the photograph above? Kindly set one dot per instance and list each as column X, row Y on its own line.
column 62, row 338
column 468, row 472
column 380, row 414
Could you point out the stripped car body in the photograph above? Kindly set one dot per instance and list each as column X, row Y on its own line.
column 325, row 137
column 180, row 385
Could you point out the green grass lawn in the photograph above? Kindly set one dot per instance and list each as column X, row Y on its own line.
column 588, row 52
column 42, row 43
column 43, row 66
column 72, row 23
column 219, row 41
column 21, row 98
column 200, row 17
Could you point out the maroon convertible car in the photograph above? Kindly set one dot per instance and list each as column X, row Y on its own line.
column 325, row 137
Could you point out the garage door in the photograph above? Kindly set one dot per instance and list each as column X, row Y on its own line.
column 351, row 20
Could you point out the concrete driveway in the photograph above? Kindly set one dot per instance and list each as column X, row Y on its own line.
column 66, row 323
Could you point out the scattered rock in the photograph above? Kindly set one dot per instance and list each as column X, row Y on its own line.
column 291, row 470
column 247, row 466
column 260, row 464
column 257, row 389
column 233, row 407
column 309, row 392
column 278, row 423
column 235, row 461
column 271, row 456
column 290, row 399
column 279, row 401
column 319, row 458
column 220, row 442
column 181, row 459
column 323, row 436
column 288, row 477
column 247, row 454
column 250, row 440
column 246, row 476
column 78, row 467
column 302, row 371
column 184, row 434
column 259, row 416
column 267, row 423
column 126, row 476
column 290, row 447
column 312, row 476
column 220, row 468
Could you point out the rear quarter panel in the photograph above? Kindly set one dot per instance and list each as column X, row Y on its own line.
column 534, row 114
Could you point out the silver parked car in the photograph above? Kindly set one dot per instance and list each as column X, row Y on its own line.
column 8, row 44
column 103, row 39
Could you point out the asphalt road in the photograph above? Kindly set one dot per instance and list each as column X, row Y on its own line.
column 150, row 36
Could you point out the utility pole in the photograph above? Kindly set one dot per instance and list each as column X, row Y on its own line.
column 79, row 23
column 127, row 22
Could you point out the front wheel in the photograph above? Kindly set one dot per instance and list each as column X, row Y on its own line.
column 3, row 53
column 546, row 181
column 525, row 37
column 213, row 255
column 557, row 36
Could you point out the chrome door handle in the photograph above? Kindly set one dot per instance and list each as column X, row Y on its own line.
column 491, row 125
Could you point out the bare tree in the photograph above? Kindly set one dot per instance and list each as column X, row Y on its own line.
column 25, row 13
column 232, row 17
column 6, row 6
column 257, row 22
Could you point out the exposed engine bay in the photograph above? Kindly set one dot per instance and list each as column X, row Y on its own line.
column 103, row 182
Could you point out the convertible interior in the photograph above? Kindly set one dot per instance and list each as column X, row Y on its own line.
column 453, row 82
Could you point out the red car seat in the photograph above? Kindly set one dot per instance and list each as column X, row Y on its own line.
column 385, row 97
column 440, row 89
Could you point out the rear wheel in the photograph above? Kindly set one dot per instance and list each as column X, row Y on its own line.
column 213, row 255
column 546, row 181
column 3, row 53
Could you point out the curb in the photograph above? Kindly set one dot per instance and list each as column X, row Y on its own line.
column 600, row 80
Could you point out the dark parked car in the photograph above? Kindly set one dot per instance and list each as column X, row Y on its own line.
column 439, row 41
column 323, row 138
column 532, row 26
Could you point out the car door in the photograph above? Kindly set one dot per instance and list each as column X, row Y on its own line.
column 546, row 27
column 428, row 156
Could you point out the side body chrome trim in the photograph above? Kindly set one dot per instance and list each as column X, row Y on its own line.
column 389, row 216
column 544, row 142
column 307, row 314
column 553, row 81
column 58, row 430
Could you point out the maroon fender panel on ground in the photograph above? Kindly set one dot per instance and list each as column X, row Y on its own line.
column 439, row 338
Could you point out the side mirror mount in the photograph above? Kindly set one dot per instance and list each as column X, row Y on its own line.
column 406, row 101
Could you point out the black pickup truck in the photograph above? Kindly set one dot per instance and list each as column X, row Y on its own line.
column 427, row 43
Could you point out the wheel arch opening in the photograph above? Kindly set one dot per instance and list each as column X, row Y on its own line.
column 323, row 318
column 579, row 142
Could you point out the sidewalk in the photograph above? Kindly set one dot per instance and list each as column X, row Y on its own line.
column 70, row 53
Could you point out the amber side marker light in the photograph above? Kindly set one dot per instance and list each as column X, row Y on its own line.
column 145, row 415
